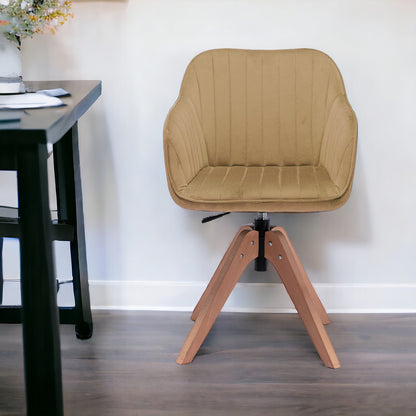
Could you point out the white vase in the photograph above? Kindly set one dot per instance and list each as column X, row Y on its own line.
column 10, row 67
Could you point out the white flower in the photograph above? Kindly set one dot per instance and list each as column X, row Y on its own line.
column 4, row 2
column 23, row 5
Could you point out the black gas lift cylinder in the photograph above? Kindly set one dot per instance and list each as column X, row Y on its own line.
column 261, row 224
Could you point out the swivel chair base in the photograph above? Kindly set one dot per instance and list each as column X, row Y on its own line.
column 247, row 246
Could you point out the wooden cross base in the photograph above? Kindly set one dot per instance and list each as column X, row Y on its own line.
column 281, row 254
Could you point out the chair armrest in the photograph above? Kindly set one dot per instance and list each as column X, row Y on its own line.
column 339, row 144
column 184, row 144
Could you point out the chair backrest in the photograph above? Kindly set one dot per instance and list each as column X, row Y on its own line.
column 260, row 108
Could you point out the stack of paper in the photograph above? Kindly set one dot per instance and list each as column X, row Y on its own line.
column 29, row 100
column 10, row 115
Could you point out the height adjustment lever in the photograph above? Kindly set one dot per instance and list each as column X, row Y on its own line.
column 213, row 217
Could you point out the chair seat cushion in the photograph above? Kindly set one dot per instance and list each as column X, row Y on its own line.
column 236, row 188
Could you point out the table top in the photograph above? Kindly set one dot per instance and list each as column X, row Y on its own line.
column 48, row 125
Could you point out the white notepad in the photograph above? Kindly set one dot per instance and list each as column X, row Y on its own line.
column 29, row 100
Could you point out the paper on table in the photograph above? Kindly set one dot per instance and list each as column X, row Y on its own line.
column 30, row 100
column 56, row 92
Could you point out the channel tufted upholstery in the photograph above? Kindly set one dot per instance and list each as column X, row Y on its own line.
column 262, row 131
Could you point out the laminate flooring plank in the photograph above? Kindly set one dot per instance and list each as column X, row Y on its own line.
column 250, row 364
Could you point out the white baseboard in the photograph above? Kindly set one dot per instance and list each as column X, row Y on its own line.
column 252, row 297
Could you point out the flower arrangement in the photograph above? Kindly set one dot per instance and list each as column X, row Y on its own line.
column 20, row 19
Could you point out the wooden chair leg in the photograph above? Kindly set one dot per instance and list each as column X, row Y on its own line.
column 219, row 274
column 301, row 271
column 243, row 250
column 279, row 251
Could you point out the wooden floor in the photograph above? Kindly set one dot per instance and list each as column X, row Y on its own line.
column 250, row 364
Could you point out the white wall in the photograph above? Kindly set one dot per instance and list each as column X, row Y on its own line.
column 146, row 252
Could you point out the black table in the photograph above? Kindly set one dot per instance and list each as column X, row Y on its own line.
column 24, row 148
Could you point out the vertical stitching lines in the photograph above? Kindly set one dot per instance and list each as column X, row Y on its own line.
column 262, row 110
column 317, row 182
column 189, row 143
column 230, row 138
column 244, row 175
column 298, row 179
column 246, row 115
column 199, row 94
column 279, row 112
column 215, row 113
column 280, row 179
column 221, row 192
column 312, row 118
column 296, row 119
column 261, row 175
column 327, row 131
column 327, row 92
column 227, row 172
column 208, row 173
column 261, row 182
column 201, row 114
column 344, row 153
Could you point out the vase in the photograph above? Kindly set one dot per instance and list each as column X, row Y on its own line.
column 10, row 67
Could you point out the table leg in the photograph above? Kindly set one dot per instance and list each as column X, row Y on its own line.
column 41, row 343
column 69, row 199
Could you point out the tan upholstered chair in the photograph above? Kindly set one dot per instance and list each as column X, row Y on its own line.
column 261, row 131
